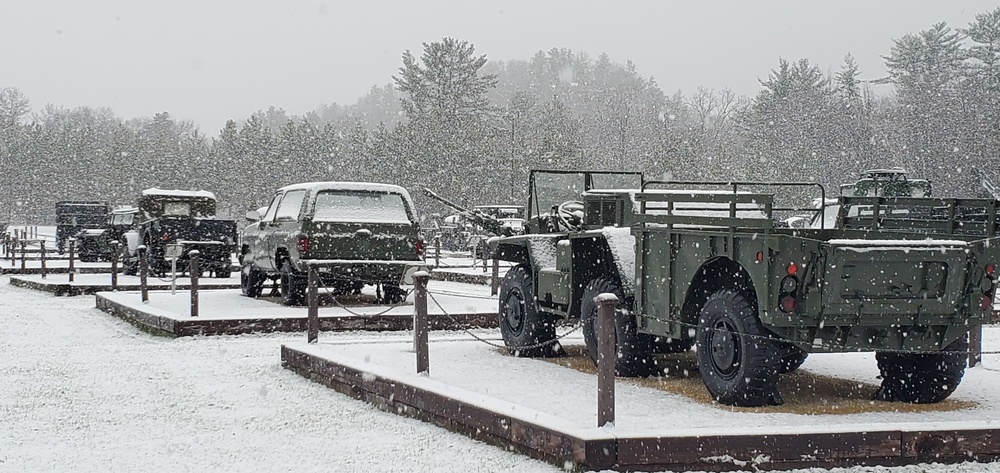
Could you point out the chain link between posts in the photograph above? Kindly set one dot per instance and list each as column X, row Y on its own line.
column 802, row 345
column 330, row 293
column 576, row 326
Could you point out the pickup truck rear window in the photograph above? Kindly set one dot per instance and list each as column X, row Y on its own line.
column 353, row 206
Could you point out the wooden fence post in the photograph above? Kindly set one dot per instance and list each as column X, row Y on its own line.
column 143, row 273
column 437, row 250
column 495, row 279
column 193, row 272
column 41, row 249
column 606, row 358
column 24, row 250
column 114, row 265
column 312, row 296
column 72, row 250
column 420, row 323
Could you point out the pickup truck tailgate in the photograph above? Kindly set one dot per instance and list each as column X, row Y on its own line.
column 363, row 241
column 894, row 279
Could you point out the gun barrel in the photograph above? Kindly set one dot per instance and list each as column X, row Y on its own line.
column 444, row 201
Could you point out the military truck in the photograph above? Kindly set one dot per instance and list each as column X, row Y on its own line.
column 906, row 278
column 181, row 221
column 72, row 216
column 360, row 234
column 95, row 244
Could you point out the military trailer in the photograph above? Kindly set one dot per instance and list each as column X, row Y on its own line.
column 181, row 221
column 904, row 277
column 73, row 216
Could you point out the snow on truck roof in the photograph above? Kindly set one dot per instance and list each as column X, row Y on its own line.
column 351, row 186
column 177, row 193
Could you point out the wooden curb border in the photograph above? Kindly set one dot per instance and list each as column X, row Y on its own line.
column 163, row 324
column 76, row 289
column 716, row 452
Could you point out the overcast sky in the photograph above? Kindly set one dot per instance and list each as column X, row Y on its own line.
column 210, row 60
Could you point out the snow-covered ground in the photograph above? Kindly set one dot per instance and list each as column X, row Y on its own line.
column 83, row 391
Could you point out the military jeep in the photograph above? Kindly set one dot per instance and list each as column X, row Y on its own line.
column 902, row 276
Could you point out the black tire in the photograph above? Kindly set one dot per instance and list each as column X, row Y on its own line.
column 293, row 286
column 737, row 358
column 666, row 345
column 526, row 331
column 251, row 281
column 633, row 350
column 392, row 294
column 922, row 378
column 224, row 271
column 792, row 357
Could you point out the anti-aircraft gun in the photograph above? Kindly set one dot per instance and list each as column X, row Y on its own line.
column 988, row 185
column 497, row 220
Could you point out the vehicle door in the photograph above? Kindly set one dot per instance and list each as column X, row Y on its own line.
column 255, row 236
column 285, row 227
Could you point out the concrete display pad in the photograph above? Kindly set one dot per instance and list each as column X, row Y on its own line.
column 228, row 312
column 87, row 284
column 548, row 411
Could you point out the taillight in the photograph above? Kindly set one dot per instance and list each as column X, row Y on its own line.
column 793, row 268
column 419, row 245
column 302, row 244
column 986, row 302
column 166, row 237
column 788, row 304
column 990, row 269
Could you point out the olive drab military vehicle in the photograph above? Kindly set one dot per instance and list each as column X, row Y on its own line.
column 904, row 277
column 183, row 220
column 361, row 233
column 95, row 244
column 74, row 216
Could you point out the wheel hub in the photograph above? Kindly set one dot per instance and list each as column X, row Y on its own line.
column 514, row 313
column 725, row 350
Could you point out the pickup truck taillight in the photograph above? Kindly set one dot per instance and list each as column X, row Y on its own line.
column 302, row 244
column 988, row 287
column 419, row 245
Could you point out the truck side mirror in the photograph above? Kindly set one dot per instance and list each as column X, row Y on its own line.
column 253, row 215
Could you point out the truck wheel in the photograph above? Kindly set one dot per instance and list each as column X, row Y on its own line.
column 633, row 350
column 293, row 286
column 792, row 357
column 251, row 281
column 526, row 331
column 737, row 359
column 392, row 294
column 921, row 378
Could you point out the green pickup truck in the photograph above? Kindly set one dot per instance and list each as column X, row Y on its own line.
column 905, row 277
column 356, row 233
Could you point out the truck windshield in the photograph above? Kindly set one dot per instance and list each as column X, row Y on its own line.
column 353, row 206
